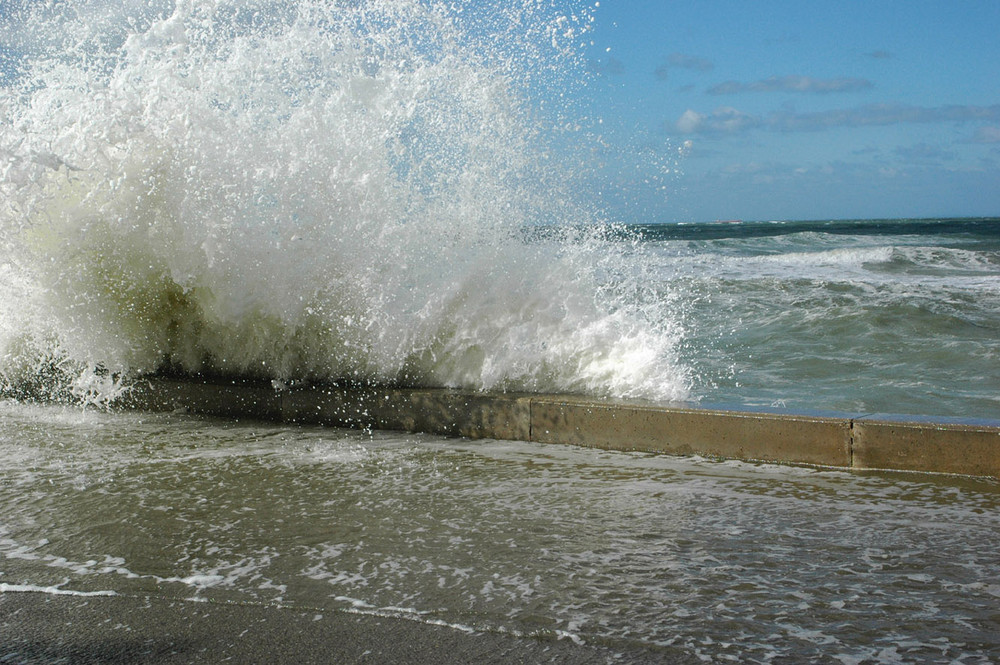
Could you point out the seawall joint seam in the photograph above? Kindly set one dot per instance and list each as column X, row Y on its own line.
column 850, row 444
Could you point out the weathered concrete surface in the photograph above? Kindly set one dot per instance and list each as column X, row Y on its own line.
column 226, row 400
column 926, row 446
column 685, row 431
column 473, row 415
column 850, row 441
column 435, row 411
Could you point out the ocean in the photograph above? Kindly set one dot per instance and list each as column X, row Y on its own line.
column 395, row 193
column 893, row 316
column 858, row 316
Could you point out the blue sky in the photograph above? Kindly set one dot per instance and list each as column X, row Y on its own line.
column 726, row 109
column 798, row 110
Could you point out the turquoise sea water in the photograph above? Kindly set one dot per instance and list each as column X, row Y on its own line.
column 893, row 316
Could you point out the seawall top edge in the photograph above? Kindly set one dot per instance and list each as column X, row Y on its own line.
column 736, row 410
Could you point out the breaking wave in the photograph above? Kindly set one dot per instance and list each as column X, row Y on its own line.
column 310, row 190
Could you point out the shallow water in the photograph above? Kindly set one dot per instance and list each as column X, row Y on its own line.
column 719, row 559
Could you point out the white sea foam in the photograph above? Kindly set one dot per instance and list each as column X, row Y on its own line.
column 312, row 191
column 51, row 590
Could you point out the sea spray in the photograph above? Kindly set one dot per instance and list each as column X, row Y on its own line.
column 311, row 190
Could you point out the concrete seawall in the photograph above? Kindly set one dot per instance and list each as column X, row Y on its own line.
column 850, row 441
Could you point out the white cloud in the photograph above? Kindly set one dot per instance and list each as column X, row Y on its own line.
column 690, row 122
column 792, row 84
column 729, row 120
column 724, row 119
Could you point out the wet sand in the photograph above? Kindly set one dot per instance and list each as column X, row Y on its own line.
column 46, row 628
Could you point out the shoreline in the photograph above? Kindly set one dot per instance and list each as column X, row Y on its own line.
column 852, row 441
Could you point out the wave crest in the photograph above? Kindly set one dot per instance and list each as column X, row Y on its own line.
column 314, row 191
